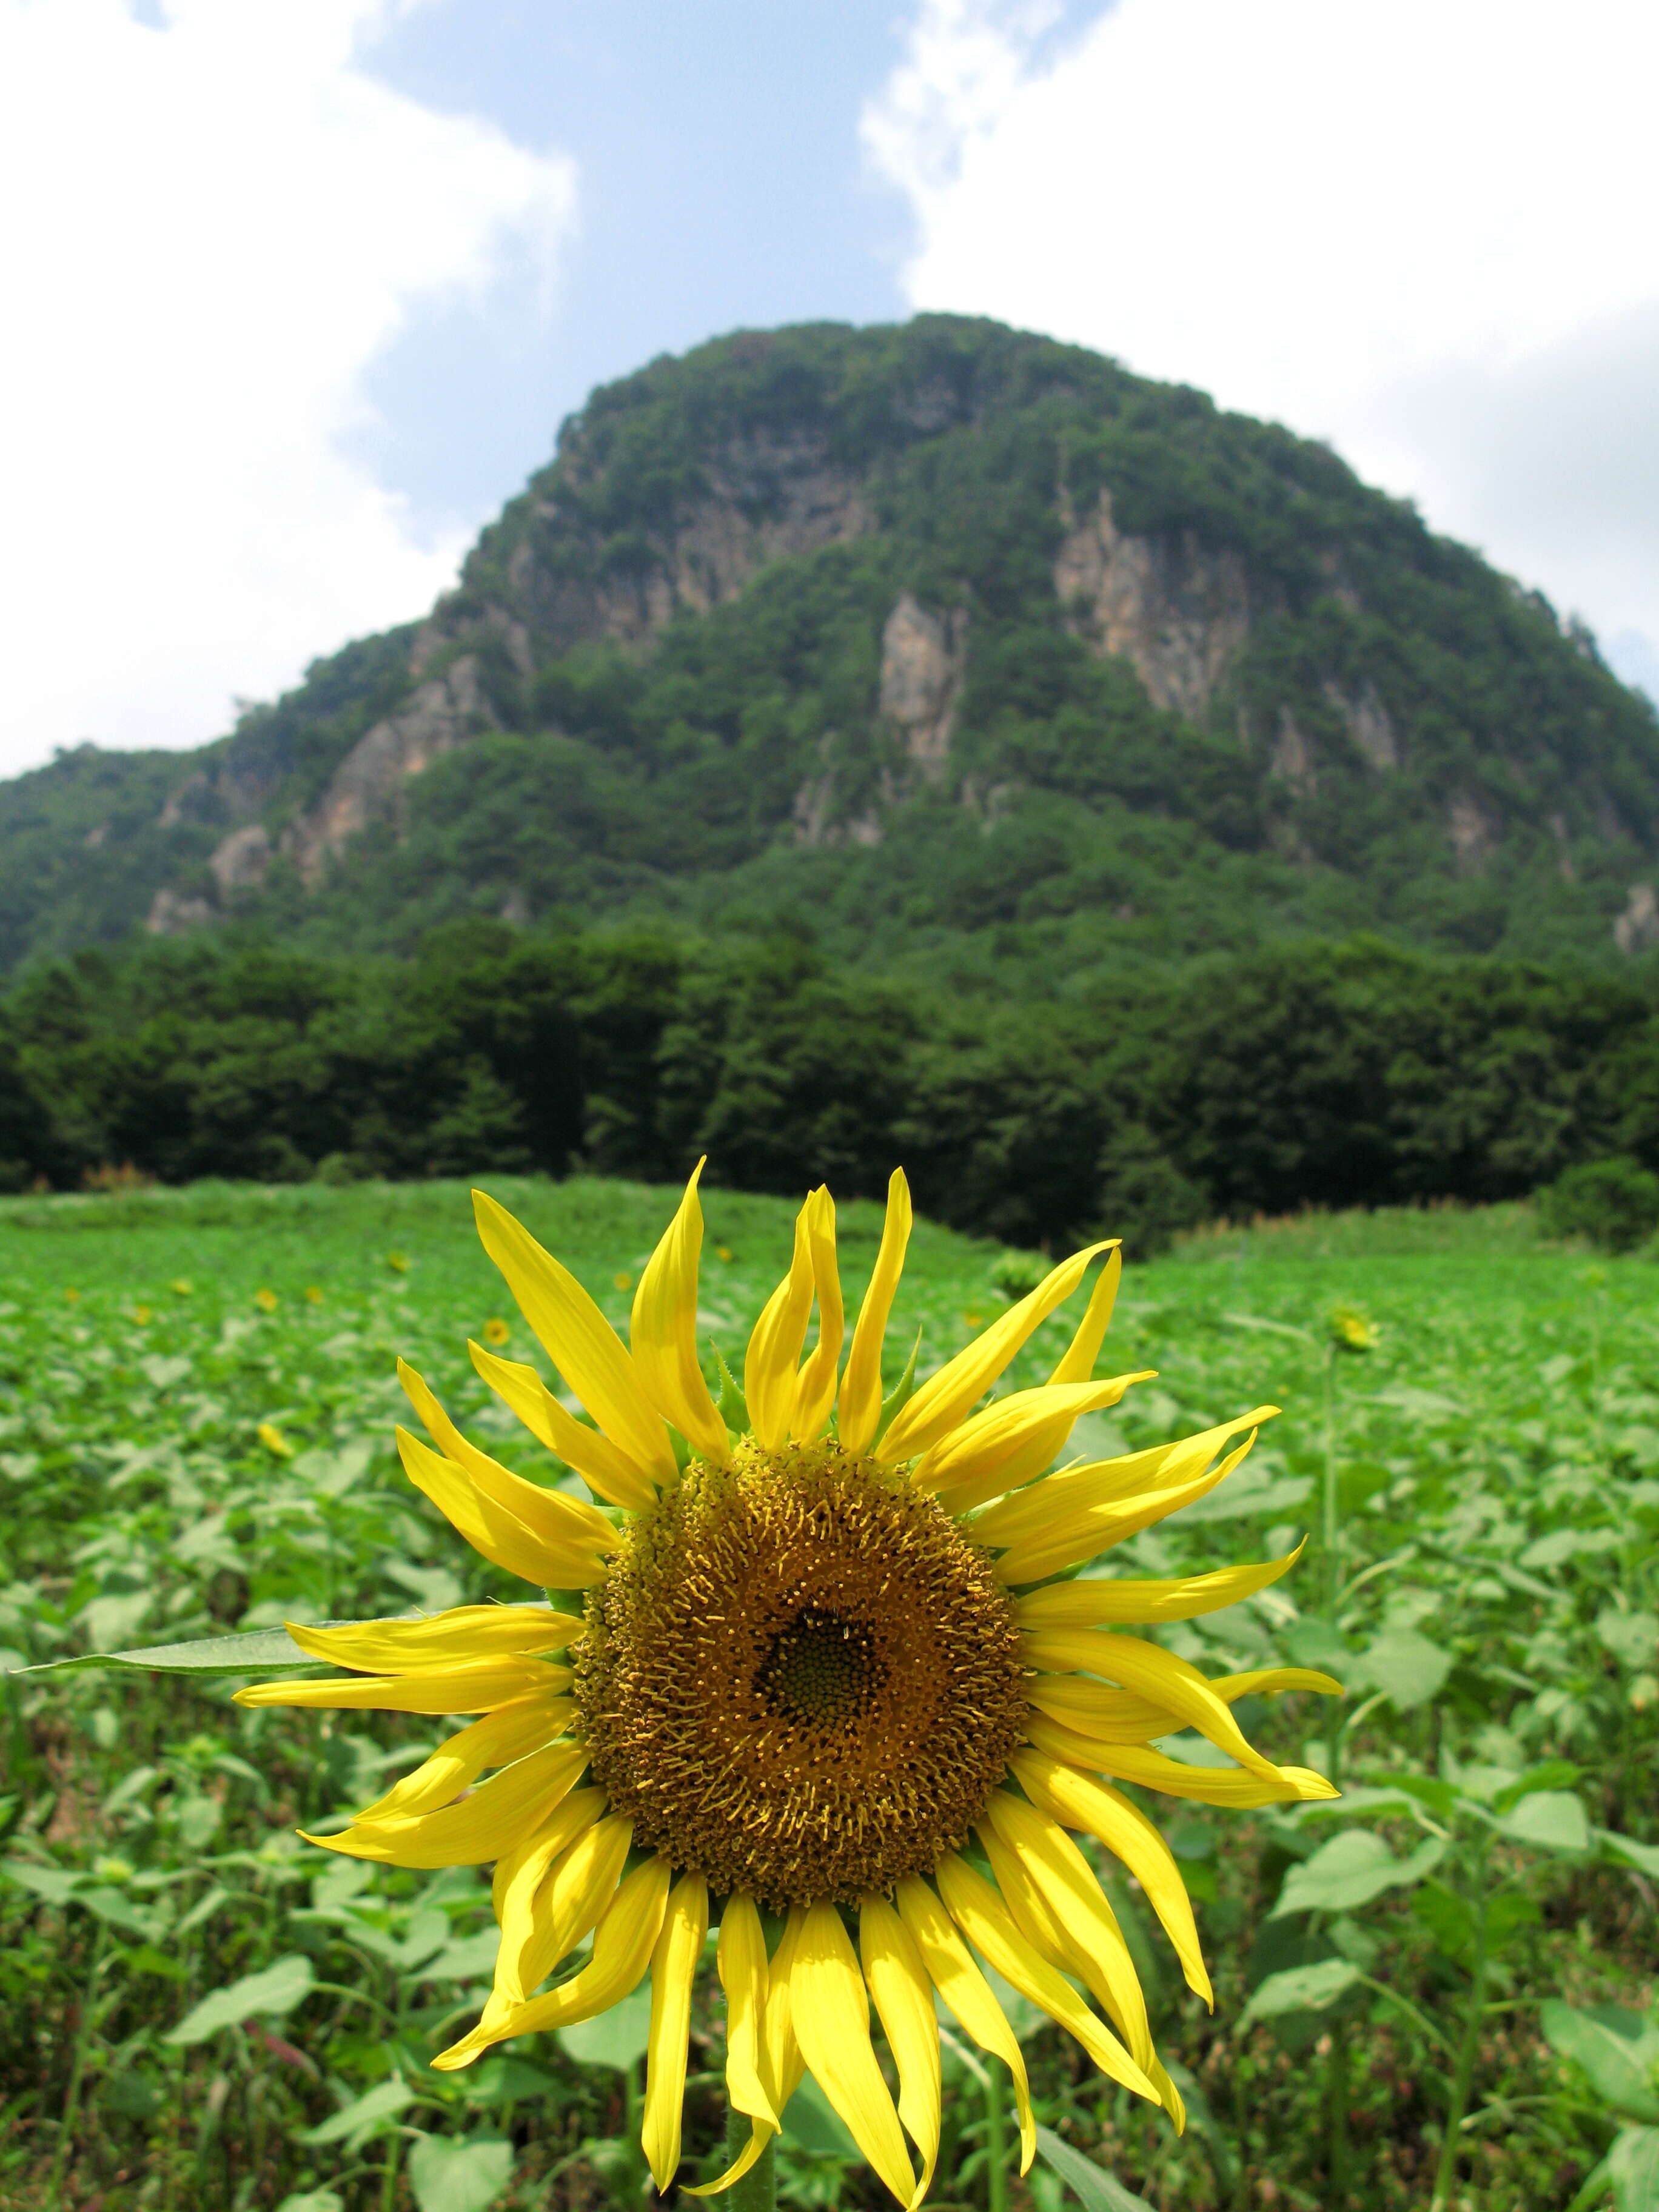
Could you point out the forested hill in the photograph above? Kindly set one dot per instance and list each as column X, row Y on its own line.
column 935, row 643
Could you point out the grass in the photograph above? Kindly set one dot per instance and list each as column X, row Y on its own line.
column 195, row 1405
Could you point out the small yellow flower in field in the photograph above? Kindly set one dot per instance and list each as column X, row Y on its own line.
column 265, row 1300
column 815, row 1653
column 1643, row 1693
column 274, row 1441
column 180, row 1288
column 313, row 1294
column 723, row 1251
column 72, row 1296
column 399, row 1262
column 1351, row 1330
column 622, row 1279
column 142, row 1316
column 973, row 1320
column 496, row 1331
column 112, row 1870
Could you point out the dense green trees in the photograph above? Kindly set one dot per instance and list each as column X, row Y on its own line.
column 1341, row 1075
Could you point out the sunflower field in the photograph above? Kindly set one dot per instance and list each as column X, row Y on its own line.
column 1437, row 1989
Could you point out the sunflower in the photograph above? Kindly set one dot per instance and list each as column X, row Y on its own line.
column 830, row 1686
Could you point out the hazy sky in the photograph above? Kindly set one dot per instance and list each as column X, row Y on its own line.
column 299, row 290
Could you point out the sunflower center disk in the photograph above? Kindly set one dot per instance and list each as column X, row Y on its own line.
column 800, row 1679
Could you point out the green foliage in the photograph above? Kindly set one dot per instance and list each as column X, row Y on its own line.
column 1614, row 1203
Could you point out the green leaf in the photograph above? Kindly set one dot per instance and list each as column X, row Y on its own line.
column 1301, row 1989
column 1620, row 2053
column 258, row 1651
column 451, row 2174
column 813, row 2122
column 312, row 2200
column 1405, row 1666
column 616, row 2038
column 277, row 1990
column 1645, row 1856
column 366, row 2117
column 1633, row 2166
column 1092, row 2186
column 1632, row 1638
column 1550, row 1821
column 1350, row 1870
column 57, row 1885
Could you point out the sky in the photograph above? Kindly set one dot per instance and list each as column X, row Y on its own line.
column 305, row 287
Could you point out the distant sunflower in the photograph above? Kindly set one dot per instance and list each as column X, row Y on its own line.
column 823, row 1645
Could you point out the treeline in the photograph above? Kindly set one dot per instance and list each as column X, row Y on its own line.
column 1350, row 1074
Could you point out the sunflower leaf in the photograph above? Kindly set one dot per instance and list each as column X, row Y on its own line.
column 1093, row 2187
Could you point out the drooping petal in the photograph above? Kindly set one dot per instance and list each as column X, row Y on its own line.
column 559, row 1893
column 498, row 1815
column 578, row 1339
column 1126, row 1604
column 464, row 1634
column 478, row 1689
column 946, row 1398
column 623, row 1944
column 1011, row 1440
column 674, row 1967
column 664, row 1332
column 860, row 1389
column 770, row 1368
column 985, row 1920
column 741, row 1960
column 1078, row 1363
column 510, row 1733
column 608, row 1471
column 1087, row 1707
column 1037, row 1513
column 899, row 1983
column 559, row 1520
column 1090, row 1941
column 1076, row 1801
column 494, row 1531
column 968, row 1994
column 1171, row 1684
column 1235, row 1786
column 816, row 1391
column 782, row 2064
column 831, row 2021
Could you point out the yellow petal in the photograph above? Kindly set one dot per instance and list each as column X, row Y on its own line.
column 664, row 1332
column 904, row 2002
column 1103, row 1604
column 1078, row 1363
column 464, row 1634
column 579, row 1340
column 1034, row 1513
column 1236, row 1786
column 493, row 1533
column 498, row 1815
column 968, row 1994
column 623, row 1944
column 1120, row 1716
column 985, row 1920
column 510, row 1733
column 1150, row 1672
column 478, row 1689
column 860, row 1389
column 605, row 1468
column 1011, row 1440
column 576, row 1813
column 1075, row 1802
column 741, row 1959
column 558, row 1893
column 673, row 1968
column 816, row 1391
column 831, row 2019
column 770, row 1383
column 560, row 1522
column 1025, row 1900
column 781, row 2063
column 947, row 1397
column 1091, row 1939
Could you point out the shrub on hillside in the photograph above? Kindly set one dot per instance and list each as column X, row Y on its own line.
column 1614, row 1203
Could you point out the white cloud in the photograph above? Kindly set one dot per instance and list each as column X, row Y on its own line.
column 214, row 226
column 1423, row 228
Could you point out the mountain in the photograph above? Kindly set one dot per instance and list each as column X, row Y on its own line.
column 939, row 643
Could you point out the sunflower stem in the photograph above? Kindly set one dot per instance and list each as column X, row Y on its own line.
column 757, row 2191
column 996, row 2140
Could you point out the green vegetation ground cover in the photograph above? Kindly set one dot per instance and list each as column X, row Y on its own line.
column 196, row 2007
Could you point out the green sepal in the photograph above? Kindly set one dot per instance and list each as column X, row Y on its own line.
column 899, row 1397
column 733, row 1406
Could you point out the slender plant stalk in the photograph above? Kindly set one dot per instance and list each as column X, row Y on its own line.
column 996, row 2140
column 757, row 2191
column 77, row 2073
column 1469, row 2048
column 1336, row 2116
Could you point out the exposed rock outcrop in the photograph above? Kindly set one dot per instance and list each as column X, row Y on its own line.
column 1475, row 831
column 924, row 656
column 1369, row 724
column 1179, row 613
column 171, row 914
column 1638, row 927
column 239, row 861
column 1293, row 755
